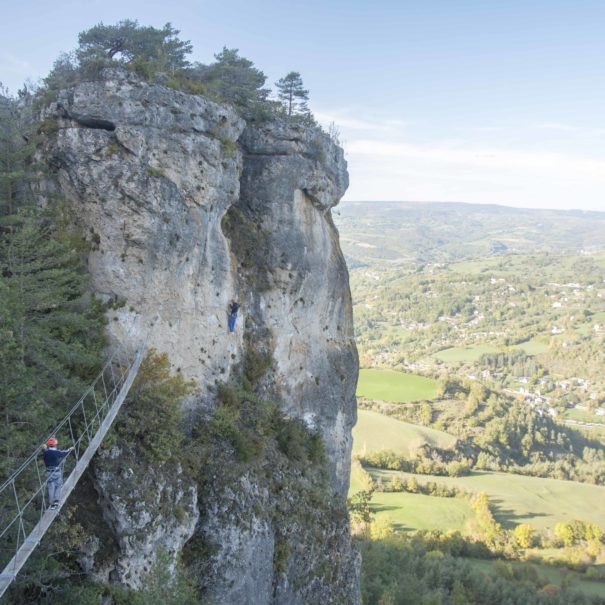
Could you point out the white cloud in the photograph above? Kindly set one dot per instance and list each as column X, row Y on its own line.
column 345, row 121
column 555, row 164
column 394, row 159
column 556, row 126
column 386, row 170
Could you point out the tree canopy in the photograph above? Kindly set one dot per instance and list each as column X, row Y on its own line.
column 293, row 94
column 130, row 43
column 233, row 78
column 159, row 55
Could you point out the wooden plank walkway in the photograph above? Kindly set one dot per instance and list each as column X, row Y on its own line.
column 33, row 538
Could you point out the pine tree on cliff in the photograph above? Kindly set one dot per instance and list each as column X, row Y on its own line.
column 233, row 78
column 127, row 42
column 293, row 94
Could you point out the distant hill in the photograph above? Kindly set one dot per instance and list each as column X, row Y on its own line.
column 416, row 232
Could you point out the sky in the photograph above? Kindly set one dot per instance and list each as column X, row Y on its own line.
column 481, row 101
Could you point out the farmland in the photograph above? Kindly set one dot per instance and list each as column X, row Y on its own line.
column 395, row 386
column 376, row 431
column 518, row 499
column 408, row 512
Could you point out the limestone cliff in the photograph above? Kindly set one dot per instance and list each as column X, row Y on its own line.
column 186, row 206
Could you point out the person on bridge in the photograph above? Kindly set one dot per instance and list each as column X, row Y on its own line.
column 233, row 309
column 54, row 470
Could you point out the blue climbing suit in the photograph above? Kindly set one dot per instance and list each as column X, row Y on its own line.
column 233, row 309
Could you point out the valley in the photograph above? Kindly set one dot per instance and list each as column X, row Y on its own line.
column 482, row 351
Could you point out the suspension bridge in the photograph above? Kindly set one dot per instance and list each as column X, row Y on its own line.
column 25, row 514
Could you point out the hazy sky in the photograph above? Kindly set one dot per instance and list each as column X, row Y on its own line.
column 491, row 101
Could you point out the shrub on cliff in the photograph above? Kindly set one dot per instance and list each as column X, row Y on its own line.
column 151, row 420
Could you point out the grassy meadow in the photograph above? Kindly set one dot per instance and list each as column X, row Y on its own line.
column 410, row 512
column 470, row 353
column 388, row 385
column 534, row 346
column 466, row 353
column 515, row 498
column 376, row 431
column 520, row 499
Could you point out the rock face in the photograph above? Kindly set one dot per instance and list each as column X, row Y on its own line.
column 187, row 206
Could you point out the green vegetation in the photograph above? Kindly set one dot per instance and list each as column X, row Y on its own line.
column 395, row 386
column 159, row 55
column 426, row 569
column 132, row 44
column 292, row 93
column 545, row 574
column 407, row 511
column 511, row 329
column 468, row 353
column 379, row 234
column 495, row 432
column 518, row 499
column 153, row 171
column 51, row 330
column 533, row 346
column 233, row 79
column 161, row 587
column 150, row 419
column 375, row 432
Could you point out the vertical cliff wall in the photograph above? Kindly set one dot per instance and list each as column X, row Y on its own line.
column 187, row 206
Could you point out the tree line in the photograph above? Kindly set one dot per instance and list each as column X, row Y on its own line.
column 159, row 55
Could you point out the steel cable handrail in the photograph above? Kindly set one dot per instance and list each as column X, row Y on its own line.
column 34, row 457
column 61, row 423
column 22, row 496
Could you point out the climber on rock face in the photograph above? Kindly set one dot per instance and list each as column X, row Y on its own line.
column 233, row 309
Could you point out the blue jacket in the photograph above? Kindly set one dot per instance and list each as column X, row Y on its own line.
column 53, row 456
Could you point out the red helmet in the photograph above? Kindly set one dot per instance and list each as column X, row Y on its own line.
column 52, row 441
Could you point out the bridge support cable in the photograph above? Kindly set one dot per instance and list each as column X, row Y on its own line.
column 25, row 515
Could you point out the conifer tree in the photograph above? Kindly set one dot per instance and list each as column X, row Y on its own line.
column 15, row 152
column 50, row 328
column 234, row 79
column 128, row 42
column 293, row 94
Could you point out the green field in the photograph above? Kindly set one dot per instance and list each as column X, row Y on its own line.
column 473, row 352
column 550, row 575
column 387, row 385
column 584, row 416
column 468, row 353
column 533, row 346
column 483, row 265
column 519, row 499
column 376, row 431
column 410, row 512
